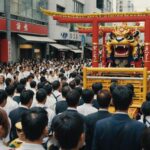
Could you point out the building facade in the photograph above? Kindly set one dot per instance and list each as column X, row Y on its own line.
column 67, row 34
column 23, row 29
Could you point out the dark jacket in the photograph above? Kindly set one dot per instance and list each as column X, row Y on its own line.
column 90, row 125
column 61, row 106
column 117, row 132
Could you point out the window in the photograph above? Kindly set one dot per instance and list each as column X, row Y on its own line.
column 29, row 10
column 14, row 8
column 25, row 8
column 37, row 14
column 60, row 8
column 109, row 6
column 78, row 7
column 100, row 4
column 121, row 9
column 1, row 5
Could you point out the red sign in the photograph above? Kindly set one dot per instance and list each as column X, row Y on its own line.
column 24, row 27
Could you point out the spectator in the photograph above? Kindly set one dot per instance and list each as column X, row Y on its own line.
column 19, row 89
column 8, row 82
column 18, row 141
column 26, row 99
column 96, row 87
column 78, row 81
column 4, row 128
column 50, row 101
column 148, row 96
column 33, row 86
column 118, row 132
column 72, row 84
column 146, row 139
column 145, row 117
column 10, row 104
column 72, row 100
column 103, row 99
column 34, row 125
column 56, row 90
column 2, row 82
column 64, row 126
column 87, row 108
column 131, row 87
column 62, row 105
column 41, row 96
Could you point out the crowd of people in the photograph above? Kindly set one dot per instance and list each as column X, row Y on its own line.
column 43, row 106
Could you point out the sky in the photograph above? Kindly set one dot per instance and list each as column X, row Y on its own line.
column 141, row 5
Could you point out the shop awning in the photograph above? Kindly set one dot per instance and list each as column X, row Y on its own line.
column 60, row 47
column 72, row 46
column 89, row 48
column 76, row 51
column 36, row 38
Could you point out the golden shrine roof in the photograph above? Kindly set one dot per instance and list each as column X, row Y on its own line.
column 92, row 15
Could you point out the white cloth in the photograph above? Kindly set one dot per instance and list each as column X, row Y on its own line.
column 2, row 86
column 29, row 146
column 147, row 118
column 50, row 113
column 26, row 74
column 21, row 76
column 86, row 109
column 9, row 75
column 50, row 102
column 57, row 95
column 3, row 147
column 10, row 105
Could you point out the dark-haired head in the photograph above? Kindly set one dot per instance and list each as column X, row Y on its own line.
column 65, row 125
column 10, row 90
column 87, row 95
column 73, row 98
column 145, row 109
column 104, row 98
column 56, row 85
column 34, row 124
column 26, row 97
column 41, row 95
column 96, row 87
column 65, row 91
column 48, row 88
column 122, row 98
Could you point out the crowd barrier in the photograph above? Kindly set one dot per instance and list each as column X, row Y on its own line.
column 139, row 77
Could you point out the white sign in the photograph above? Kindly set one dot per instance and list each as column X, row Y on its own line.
column 74, row 36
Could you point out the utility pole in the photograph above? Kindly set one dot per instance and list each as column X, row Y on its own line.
column 8, row 28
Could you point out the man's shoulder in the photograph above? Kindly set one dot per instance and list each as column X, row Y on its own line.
column 137, row 123
column 99, row 114
column 17, row 111
column 13, row 112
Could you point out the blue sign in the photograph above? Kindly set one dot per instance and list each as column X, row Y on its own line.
column 83, row 40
